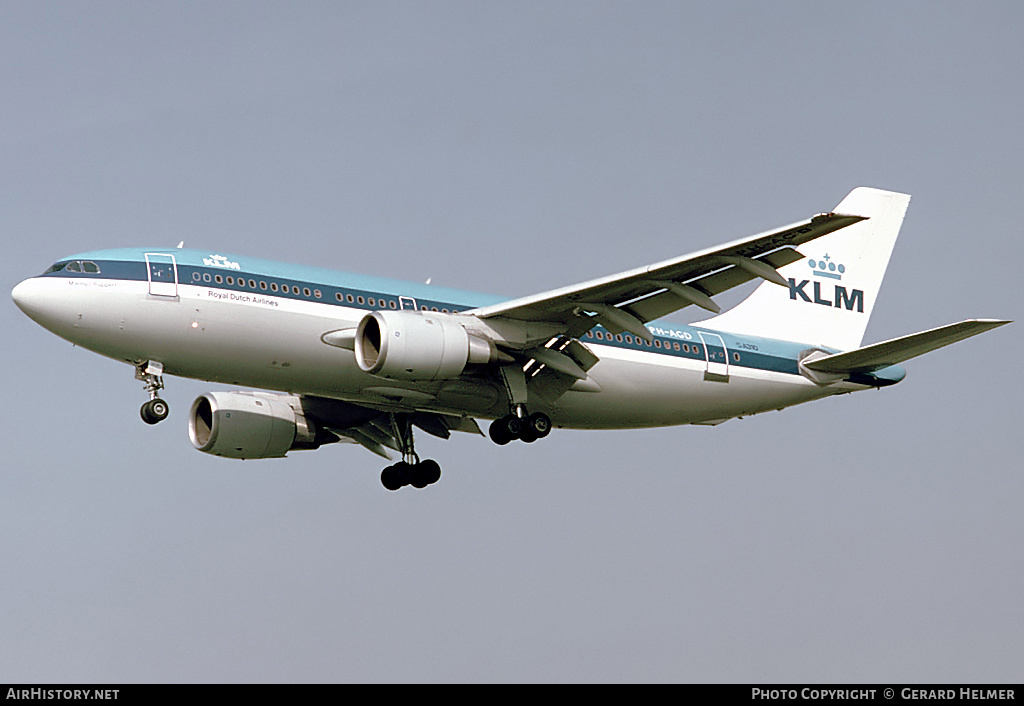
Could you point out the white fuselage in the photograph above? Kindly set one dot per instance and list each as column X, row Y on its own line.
column 259, row 338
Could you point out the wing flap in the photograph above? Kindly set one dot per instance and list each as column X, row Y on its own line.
column 665, row 302
column 882, row 355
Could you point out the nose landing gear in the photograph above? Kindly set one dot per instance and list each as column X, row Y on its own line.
column 151, row 374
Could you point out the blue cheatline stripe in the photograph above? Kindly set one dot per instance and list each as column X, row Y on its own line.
column 693, row 349
column 279, row 271
column 669, row 340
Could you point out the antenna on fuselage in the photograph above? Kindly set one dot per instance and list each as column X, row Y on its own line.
column 181, row 245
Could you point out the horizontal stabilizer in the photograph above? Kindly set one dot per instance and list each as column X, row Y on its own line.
column 882, row 355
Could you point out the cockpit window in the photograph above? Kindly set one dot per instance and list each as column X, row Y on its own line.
column 86, row 266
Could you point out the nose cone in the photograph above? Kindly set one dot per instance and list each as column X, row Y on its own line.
column 35, row 297
column 25, row 297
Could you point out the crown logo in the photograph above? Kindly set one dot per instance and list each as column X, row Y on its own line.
column 826, row 268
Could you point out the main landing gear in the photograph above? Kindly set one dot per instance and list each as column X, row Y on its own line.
column 151, row 373
column 520, row 425
column 410, row 470
column 418, row 474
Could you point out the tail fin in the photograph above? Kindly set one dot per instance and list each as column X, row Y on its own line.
column 833, row 289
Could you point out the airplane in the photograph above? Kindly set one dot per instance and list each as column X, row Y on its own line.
column 339, row 357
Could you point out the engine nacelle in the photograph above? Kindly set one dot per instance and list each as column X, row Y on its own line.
column 409, row 345
column 249, row 425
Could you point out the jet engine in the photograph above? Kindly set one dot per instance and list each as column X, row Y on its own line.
column 249, row 425
column 408, row 345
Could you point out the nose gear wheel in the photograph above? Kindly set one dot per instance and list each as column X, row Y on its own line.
column 151, row 374
column 156, row 410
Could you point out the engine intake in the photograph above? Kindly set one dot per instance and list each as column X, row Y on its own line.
column 249, row 425
column 407, row 345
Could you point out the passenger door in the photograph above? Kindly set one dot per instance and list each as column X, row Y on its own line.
column 717, row 357
column 163, row 274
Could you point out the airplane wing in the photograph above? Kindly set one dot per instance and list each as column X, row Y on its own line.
column 626, row 301
column 372, row 428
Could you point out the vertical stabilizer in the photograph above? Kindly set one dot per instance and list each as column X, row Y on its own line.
column 831, row 291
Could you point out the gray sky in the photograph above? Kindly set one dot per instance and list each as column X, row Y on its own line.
column 512, row 148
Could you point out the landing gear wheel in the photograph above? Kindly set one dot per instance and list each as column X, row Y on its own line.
column 159, row 409
column 505, row 429
column 392, row 478
column 425, row 473
column 156, row 410
column 396, row 476
column 539, row 425
column 498, row 434
column 431, row 471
